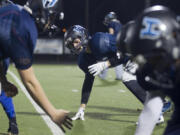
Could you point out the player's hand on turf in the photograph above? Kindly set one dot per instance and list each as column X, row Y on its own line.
column 97, row 68
column 9, row 89
column 79, row 114
column 61, row 118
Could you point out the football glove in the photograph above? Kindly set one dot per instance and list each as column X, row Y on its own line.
column 79, row 114
column 97, row 68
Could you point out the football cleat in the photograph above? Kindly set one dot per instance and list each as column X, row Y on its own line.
column 79, row 114
column 160, row 120
column 167, row 106
column 13, row 128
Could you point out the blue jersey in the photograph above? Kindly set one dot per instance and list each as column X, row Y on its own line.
column 102, row 46
column 18, row 35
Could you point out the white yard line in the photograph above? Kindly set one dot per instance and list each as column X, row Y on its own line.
column 54, row 129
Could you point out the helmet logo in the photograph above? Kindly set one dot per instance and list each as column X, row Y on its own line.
column 49, row 3
column 78, row 28
column 151, row 28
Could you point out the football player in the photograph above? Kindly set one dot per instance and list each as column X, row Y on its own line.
column 99, row 47
column 18, row 35
column 155, row 47
column 114, row 26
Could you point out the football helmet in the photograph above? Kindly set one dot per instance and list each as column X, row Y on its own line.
column 76, row 32
column 156, row 42
column 156, row 29
column 45, row 12
column 111, row 16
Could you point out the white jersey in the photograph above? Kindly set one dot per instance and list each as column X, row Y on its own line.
column 129, row 71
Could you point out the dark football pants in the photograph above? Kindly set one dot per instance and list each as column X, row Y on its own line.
column 136, row 89
column 173, row 127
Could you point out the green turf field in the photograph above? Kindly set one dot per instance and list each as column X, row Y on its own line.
column 112, row 109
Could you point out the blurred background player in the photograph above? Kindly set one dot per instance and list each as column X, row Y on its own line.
column 8, row 106
column 18, row 35
column 114, row 26
column 155, row 47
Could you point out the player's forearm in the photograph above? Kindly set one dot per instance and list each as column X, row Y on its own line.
column 87, row 87
column 39, row 96
column 36, row 91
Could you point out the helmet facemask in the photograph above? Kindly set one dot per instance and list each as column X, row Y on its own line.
column 76, row 39
column 75, row 49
